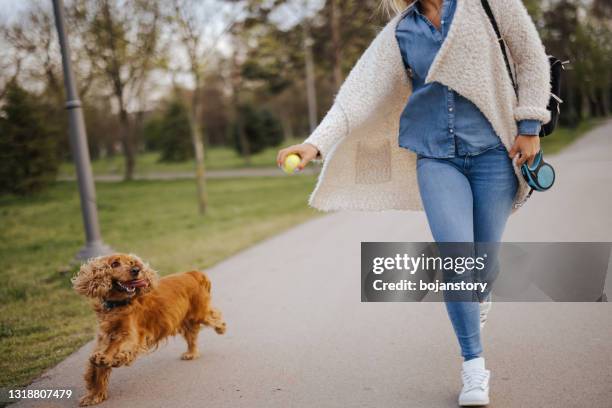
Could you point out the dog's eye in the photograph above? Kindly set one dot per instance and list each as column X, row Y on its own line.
column 115, row 264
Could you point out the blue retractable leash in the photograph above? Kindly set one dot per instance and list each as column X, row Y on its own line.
column 540, row 175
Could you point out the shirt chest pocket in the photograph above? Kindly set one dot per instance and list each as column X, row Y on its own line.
column 419, row 60
column 419, row 47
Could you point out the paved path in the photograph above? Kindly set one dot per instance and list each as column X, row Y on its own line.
column 299, row 337
column 186, row 175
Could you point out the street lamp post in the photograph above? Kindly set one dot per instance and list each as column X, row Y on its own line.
column 80, row 152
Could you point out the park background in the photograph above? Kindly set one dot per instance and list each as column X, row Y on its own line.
column 157, row 78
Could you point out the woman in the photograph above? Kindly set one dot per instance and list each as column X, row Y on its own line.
column 428, row 118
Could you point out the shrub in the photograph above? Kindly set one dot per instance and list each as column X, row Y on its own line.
column 171, row 133
column 261, row 128
column 29, row 142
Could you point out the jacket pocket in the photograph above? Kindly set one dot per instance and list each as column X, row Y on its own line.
column 373, row 164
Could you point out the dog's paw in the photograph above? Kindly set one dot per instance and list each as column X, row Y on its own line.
column 190, row 355
column 220, row 328
column 123, row 357
column 100, row 359
column 92, row 399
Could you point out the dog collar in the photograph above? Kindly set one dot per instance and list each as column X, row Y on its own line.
column 111, row 304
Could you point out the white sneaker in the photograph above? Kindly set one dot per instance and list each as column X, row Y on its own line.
column 485, row 308
column 475, row 378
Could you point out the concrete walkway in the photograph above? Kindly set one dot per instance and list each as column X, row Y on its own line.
column 188, row 175
column 298, row 335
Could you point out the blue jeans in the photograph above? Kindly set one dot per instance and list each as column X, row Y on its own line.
column 467, row 199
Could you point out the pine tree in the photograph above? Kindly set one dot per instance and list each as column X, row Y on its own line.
column 175, row 133
column 29, row 156
column 261, row 128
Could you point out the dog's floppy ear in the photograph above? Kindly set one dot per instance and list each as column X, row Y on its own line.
column 149, row 274
column 93, row 279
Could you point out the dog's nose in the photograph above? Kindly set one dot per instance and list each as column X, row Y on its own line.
column 135, row 271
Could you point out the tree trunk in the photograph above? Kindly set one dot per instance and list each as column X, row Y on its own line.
column 198, row 148
column 311, row 91
column 605, row 107
column 570, row 105
column 335, row 35
column 592, row 104
column 245, row 147
column 126, row 143
column 287, row 128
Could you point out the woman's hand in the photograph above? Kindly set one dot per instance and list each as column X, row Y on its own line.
column 526, row 147
column 306, row 151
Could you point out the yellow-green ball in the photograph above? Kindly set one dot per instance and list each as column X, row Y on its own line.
column 291, row 163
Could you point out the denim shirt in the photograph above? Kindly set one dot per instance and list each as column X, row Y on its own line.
column 437, row 121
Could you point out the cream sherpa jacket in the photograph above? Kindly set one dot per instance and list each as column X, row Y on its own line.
column 363, row 166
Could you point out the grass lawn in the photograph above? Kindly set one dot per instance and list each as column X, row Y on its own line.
column 222, row 158
column 42, row 320
column 217, row 158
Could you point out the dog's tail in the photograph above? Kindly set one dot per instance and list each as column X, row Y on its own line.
column 202, row 279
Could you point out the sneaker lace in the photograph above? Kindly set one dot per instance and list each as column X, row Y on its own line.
column 475, row 379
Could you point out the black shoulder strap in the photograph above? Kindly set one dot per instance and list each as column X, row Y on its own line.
column 502, row 45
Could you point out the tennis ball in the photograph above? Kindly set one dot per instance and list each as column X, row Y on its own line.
column 291, row 163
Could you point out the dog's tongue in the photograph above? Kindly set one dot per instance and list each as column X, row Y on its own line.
column 137, row 283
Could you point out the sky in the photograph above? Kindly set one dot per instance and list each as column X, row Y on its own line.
column 293, row 11
column 285, row 17
column 9, row 9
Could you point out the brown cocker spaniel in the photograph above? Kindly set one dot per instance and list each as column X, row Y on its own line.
column 136, row 310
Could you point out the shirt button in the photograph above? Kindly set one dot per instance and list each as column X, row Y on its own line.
column 450, row 109
column 450, row 130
